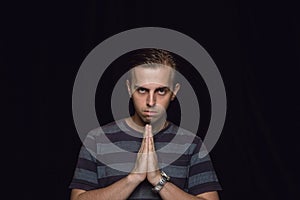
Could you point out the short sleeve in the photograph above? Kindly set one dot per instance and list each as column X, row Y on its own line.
column 202, row 176
column 85, row 174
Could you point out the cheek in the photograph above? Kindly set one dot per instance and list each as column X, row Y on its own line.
column 138, row 101
column 164, row 101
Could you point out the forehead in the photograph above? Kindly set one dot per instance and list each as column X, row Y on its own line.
column 157, row 73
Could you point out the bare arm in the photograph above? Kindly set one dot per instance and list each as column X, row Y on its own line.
column 171, row 191
column 128, row 184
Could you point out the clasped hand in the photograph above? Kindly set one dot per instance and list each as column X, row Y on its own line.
column 146, row 165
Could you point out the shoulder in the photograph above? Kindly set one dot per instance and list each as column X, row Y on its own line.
column 183, row 138
column 112, row 132
column 183, row 133
column 109, row 128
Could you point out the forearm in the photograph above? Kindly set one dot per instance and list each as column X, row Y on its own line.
column 118, row 190
column 171, row 191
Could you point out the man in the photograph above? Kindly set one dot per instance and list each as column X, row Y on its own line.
column 159, row 170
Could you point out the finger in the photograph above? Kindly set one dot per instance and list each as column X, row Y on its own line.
column 151, row 145
column 142, row 146
column 151, row 140
column 150, row 131
column 146, row 139
column 147, row 131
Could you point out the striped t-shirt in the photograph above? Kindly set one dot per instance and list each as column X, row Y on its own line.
column 108, row 154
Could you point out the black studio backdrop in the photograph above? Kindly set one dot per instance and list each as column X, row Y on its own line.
column 255, row 45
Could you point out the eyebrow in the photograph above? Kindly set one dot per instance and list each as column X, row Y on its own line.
column 163, row 87
column 136, row 86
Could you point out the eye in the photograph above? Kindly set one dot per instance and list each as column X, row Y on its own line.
column 162, row 91
column 141, row 90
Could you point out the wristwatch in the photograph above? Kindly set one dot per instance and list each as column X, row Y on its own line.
column 163, row 180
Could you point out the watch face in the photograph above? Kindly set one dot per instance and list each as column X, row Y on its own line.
column 165, row 175
column 162, row 181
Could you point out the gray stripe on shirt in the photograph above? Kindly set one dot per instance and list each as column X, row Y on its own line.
column 204, row 177
column 86, row 175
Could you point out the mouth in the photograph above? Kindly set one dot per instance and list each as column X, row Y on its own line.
column 150, row 112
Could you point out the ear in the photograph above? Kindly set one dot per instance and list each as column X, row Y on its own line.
column 128, row 88
column 176, row 89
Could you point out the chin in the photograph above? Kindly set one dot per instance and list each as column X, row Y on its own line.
column 148, row 121
column 151, row 120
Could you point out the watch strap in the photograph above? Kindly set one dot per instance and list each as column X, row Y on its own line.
column 163, row 180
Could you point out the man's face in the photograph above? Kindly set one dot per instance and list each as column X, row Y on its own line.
column 151, row 90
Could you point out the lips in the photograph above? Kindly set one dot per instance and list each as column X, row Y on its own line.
column 150, row 112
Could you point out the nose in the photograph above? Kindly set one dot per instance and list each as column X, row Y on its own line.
column 151, row 99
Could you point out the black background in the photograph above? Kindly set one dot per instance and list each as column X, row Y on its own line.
column 255, row 45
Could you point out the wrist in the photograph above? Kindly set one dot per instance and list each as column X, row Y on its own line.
column 156, row 179
column 134, row 178
column 164, row 178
